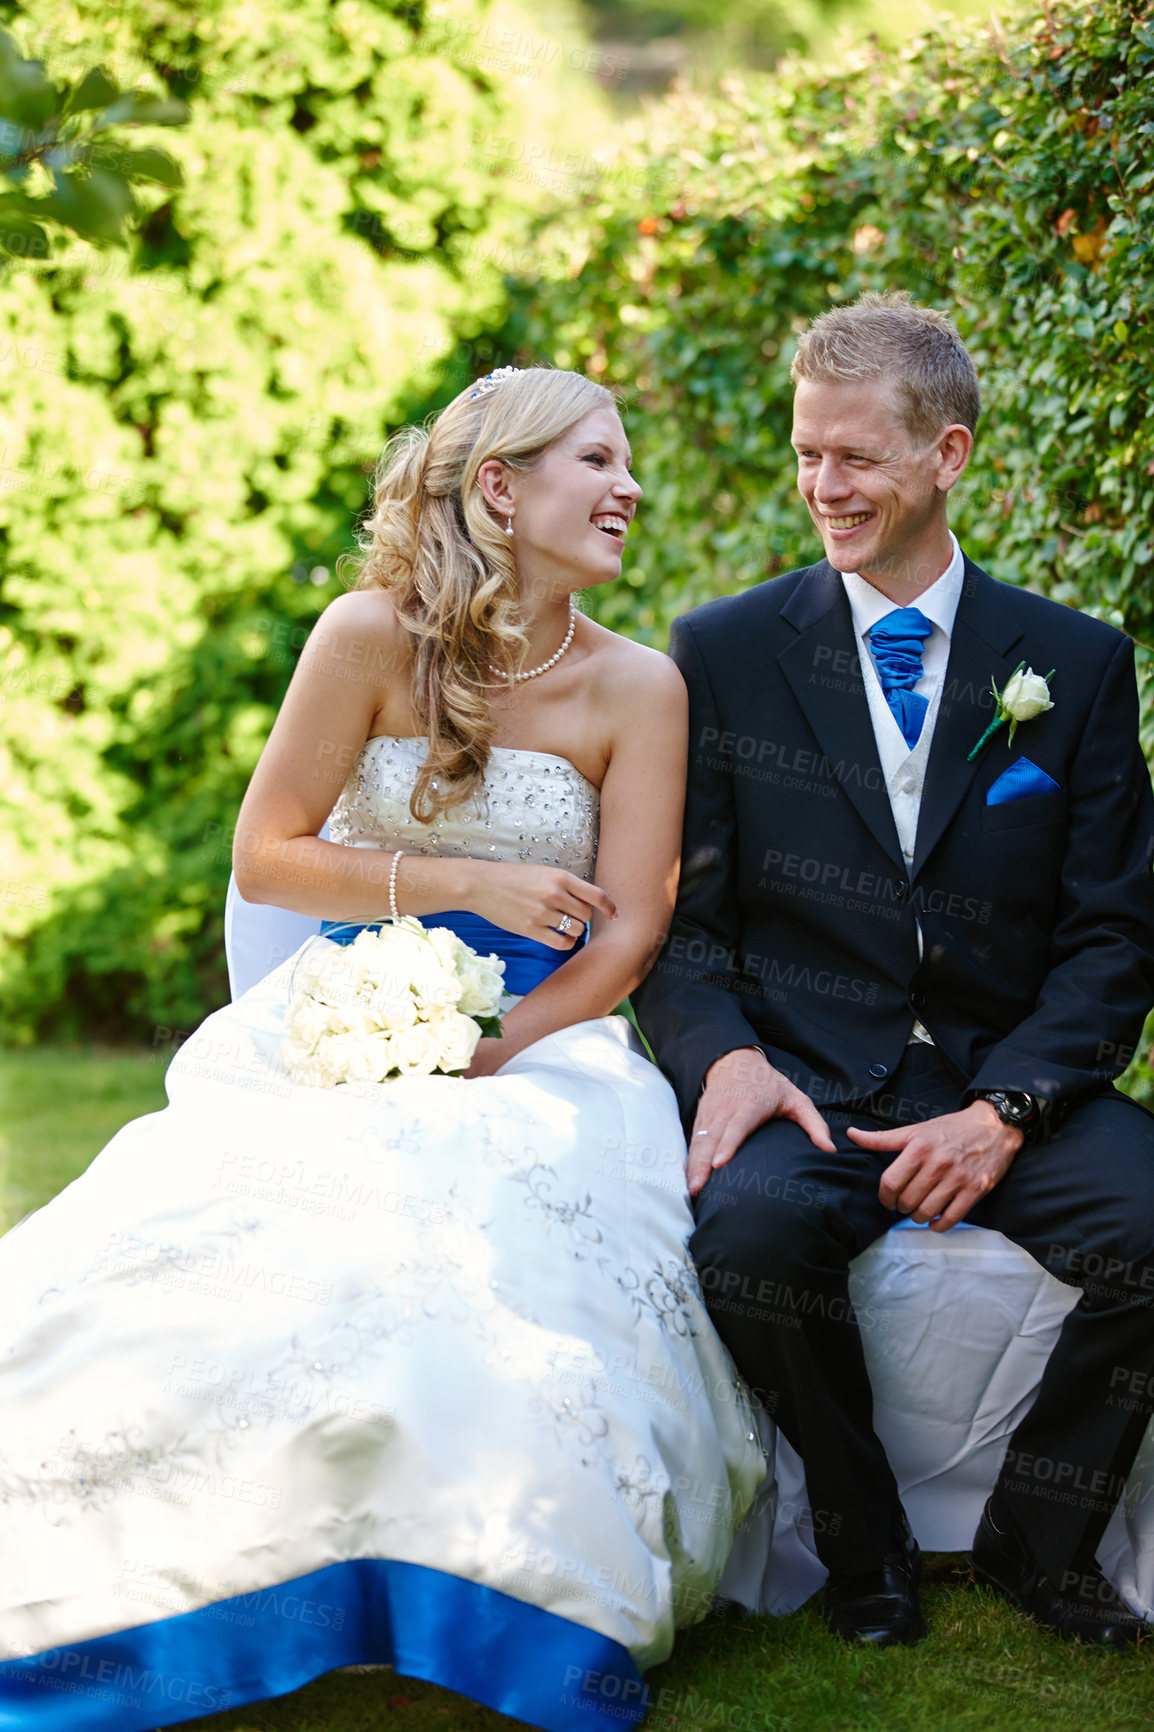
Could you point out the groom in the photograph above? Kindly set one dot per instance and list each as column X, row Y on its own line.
column 909, row 956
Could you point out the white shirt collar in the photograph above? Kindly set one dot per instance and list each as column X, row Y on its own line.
column 939, row 602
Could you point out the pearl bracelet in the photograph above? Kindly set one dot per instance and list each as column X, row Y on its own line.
column 393, row 910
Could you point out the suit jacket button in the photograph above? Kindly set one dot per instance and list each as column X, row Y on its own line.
column 879, row 1070
column 918, row 1000
column 901, row 887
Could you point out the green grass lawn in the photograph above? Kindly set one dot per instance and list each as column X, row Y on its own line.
column 983, row 1669
column 58, row 1107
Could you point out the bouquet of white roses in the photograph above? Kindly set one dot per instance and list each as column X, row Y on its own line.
column 402, row 1001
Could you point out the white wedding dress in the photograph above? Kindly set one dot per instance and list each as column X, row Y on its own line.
column 294, row 1379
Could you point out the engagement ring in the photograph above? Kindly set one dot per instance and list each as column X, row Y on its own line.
column 564, row 924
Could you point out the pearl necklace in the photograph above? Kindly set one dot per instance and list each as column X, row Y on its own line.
column 531, row 673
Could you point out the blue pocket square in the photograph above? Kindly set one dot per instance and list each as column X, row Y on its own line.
column 1019, row 782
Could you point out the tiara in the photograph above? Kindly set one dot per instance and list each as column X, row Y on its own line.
column 491, row 381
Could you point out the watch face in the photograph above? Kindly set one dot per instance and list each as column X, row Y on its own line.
column 1014, row 1109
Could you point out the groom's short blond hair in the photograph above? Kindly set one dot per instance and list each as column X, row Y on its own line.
column 889, row 337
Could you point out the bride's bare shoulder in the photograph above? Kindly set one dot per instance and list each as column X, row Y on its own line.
column 361, row 610
column 362, row 627
column 633, row 672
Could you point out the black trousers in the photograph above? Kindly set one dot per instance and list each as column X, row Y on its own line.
column 778, row 1227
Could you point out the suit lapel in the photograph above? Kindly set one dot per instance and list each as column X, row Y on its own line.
column 984, row 647
column 821, row 666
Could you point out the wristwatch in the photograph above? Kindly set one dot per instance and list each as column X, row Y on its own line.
column 1023, row 1111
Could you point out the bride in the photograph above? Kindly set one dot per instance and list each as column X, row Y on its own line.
column 413, row 1373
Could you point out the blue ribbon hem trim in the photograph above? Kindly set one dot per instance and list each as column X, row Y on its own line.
column 509, row 1655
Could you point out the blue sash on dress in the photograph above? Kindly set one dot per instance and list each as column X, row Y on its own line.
column 527, row 961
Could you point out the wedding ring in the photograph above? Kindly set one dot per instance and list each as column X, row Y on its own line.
column 564, row 924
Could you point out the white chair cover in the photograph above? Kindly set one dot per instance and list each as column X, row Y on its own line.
column 956, row 1328
column 258, row 937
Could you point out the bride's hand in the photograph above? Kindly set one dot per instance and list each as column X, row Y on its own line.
column 488, row 1058
column 533, row 901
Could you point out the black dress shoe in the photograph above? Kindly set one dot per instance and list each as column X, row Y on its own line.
column 879, row 1607
column 1089, row 1608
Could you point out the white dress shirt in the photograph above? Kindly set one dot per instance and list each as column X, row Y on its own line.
column 905, row 770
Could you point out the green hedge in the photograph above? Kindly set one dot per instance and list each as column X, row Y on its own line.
column 190, row 433
column 1007, row 176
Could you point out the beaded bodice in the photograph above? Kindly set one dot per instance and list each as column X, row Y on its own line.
column 535, row 807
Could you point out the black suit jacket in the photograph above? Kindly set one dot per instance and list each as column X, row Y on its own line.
column 796, row 928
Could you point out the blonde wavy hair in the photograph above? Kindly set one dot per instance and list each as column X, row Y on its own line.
column 434, row 544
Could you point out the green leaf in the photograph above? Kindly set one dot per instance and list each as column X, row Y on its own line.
column 97, row 206
column 28, row 99
column 15, row 202
column 149, row 165
column 21, row 238
column 95, row 90
column 135, row 108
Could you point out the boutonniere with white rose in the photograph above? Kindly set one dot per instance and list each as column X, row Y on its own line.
column 402, row 1001
column 1025, row 695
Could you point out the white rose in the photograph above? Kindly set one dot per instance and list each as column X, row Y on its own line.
column 415, row 1050
column 306, row 1068
column 334, row 1053
column 456, row 1038
column 392, row 1005
column 306, row 1021
column 403, row 943
column 482, row 981
column 358, row 1021
column 368, row 958
column 433, row 985
column 400, row 957
column 1026, row 695
column 448, row 946
column 372, row 1058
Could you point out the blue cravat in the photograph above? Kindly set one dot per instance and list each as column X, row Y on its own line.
column 896, row 643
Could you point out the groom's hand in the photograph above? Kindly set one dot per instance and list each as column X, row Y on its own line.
column 742, row 1090
column 944, row 1164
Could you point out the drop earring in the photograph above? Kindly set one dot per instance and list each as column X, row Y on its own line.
column 508, row 526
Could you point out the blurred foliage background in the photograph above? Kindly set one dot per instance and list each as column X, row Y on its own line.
column 366, row 204
column 657, row 40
